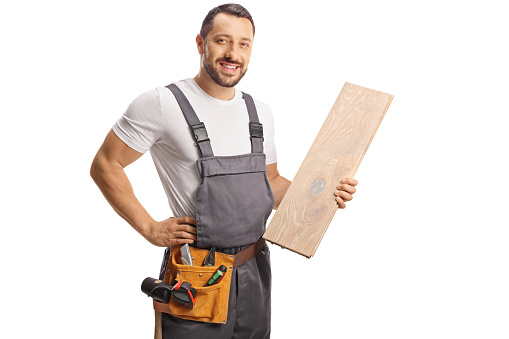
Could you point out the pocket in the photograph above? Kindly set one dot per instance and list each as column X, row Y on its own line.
column 242, row 204
column 211, row 301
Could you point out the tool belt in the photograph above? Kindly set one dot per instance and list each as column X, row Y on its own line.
column 211, row 301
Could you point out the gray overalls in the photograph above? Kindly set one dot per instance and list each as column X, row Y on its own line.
column 233, row 203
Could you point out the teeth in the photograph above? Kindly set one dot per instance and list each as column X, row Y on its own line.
column 228, row 66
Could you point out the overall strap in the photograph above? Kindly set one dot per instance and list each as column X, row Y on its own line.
column 255, row 128
column 197, row 127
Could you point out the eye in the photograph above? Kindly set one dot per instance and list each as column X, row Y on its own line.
column 244, row 44
column 222, row 41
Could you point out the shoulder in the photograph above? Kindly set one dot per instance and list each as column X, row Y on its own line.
column 166, row 97
column 261, row 105
column 145, row 106
column 262, row 108
column 267, row 120
column 264, row 112
column 265, row 117
column 160, row 97
column 146, row 99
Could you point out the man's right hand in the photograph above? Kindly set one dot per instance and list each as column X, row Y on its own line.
column 107, row 170
column 172, row 231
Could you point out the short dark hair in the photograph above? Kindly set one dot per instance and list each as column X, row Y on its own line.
column 231, row 9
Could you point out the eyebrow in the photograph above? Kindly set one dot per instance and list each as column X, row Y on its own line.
column 230, row 37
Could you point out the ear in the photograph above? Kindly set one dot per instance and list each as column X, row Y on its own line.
column 199, row 44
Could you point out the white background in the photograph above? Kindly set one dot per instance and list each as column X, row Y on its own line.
column 422, row 250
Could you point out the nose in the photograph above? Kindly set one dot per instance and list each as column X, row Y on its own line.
column 232, row 51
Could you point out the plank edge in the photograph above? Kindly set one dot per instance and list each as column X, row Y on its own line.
column 286, row 248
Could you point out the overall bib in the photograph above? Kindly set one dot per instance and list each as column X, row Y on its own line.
column 233, row 203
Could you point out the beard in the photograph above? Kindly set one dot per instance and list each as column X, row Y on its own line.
column 225, row 80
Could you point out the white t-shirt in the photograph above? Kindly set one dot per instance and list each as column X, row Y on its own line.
column 155, row 122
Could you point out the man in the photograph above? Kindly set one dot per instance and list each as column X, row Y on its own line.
column 160, row 121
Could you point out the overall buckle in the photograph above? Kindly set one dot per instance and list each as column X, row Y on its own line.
column 256, row 130
column 200, row 132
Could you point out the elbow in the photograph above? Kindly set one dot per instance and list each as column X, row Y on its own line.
column 95, row 169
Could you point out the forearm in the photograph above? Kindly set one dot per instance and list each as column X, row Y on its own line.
column 279, row 187
column 117, row 189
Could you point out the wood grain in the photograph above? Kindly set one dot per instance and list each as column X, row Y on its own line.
column 309, row 205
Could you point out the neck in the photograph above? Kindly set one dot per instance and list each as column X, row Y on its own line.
column 210, row 87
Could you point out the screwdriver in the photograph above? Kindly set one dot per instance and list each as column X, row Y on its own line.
column 217, row 277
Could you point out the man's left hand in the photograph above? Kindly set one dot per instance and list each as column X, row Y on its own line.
column 345, row 191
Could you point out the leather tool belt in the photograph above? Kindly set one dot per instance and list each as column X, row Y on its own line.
column 211, row 301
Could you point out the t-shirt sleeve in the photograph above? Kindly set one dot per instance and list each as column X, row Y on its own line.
column 141, row 125
column 269, row 132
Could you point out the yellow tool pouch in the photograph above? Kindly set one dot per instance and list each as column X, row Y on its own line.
column 212, row 301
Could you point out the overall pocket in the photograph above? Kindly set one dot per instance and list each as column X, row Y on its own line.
column 235, row 194
column 211, row 301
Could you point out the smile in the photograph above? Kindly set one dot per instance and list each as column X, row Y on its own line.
column 229, row 68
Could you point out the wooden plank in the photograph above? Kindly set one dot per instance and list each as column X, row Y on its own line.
column 309, row 205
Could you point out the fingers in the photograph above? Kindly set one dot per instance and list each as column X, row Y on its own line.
column 183, row 228
column 180, row 241
column 349, row 181
column 187, row 228
column 345, row 196
column 174, row 231
column 186, row 220
column 342, row 197
column 345, row 190
column 184, row 224
column 340, row 202
column 185, row 235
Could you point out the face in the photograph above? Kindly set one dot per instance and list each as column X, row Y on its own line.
column 226, row 51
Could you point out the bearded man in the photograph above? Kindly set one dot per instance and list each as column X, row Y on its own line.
column 213, row 148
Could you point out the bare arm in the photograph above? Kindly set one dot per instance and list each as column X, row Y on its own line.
column 278, row 184
column 108, row 173
column 107, row 170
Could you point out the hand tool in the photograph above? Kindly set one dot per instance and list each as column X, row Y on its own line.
column 185, row 255
column 210, row 259
column 182, row 292
column 217, row 277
